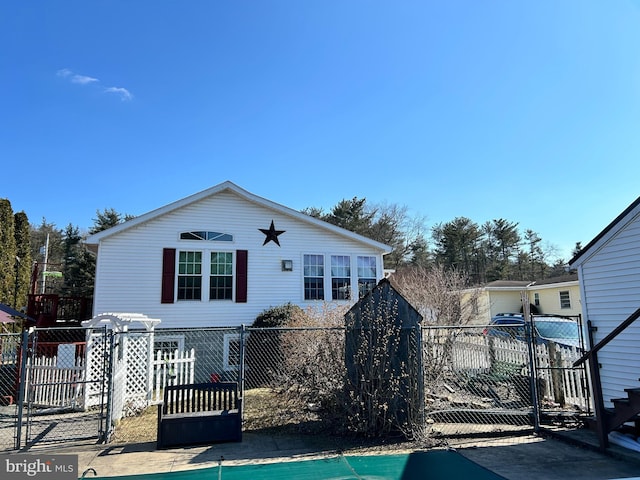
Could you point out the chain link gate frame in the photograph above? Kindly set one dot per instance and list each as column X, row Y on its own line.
column 64, row 387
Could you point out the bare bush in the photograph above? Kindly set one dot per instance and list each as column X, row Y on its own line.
column 443, row 299
column 378, row 373
column 313, row 356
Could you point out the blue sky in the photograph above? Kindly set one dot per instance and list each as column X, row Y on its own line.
column 528, row 111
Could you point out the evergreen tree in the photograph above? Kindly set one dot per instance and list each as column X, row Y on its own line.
column 419, row 253
column 535, row 256
column 79, row 264
column 8, row 253
column 23, row 260
column 351, row 215
column 577, row 249
column 456, row 246
column 106, row 219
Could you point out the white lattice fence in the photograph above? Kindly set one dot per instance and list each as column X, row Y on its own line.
column 96, row 350
column 136, row 356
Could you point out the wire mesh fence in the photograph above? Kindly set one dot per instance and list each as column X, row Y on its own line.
column 9, row 361
column 64, row 386
column 426, row 383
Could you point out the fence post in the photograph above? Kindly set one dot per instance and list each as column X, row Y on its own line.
column 22, row 385
column 555, row 367
column 243, row 330
column 420, row 379
column 533, row 373
column 108, row 378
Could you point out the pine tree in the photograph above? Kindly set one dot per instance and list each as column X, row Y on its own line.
column 23, row 260
column 7, row 252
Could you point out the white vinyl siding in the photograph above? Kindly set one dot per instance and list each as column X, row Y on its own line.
column 610, row 279
column 226, row 212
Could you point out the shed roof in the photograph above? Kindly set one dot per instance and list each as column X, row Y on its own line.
column 94, row 240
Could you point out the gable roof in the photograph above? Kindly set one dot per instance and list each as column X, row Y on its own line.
column 519, row 284
column 231, row 187
column 609, row 230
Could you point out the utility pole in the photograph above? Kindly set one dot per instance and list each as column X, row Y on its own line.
column 44, row 269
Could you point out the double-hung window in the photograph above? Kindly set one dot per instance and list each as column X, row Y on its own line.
column 221, row 277
column 190, row 275
column 340, row 277
column 206, row 273
column 313, row 267
column 565, row 299
column 366, row 275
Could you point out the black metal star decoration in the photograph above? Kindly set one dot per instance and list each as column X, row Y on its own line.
column 271, row 234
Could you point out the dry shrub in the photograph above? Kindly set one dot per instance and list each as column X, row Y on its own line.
column 313, row 356
column 377, row 371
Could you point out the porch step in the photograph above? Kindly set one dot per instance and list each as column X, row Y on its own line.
column 625, row 409
column 632, row 391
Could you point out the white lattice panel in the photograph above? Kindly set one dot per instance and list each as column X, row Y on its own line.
column 96, row 350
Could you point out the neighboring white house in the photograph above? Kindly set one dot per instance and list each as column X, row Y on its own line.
column 609, row 272
column 222, row 256
column 552, row 296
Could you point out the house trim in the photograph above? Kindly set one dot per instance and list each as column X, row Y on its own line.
column 609, row 231
column 94, row 240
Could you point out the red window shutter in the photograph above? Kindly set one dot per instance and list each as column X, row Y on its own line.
column 241, row 275
column 168, row 274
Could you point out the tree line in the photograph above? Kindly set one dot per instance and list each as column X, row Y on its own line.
column 25, row 248
column 494, row 250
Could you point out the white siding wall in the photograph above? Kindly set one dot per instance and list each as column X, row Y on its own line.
column 129, row 269
column 611, row 285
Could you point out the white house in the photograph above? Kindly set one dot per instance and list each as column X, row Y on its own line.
column 222, row 256
column 609, row 274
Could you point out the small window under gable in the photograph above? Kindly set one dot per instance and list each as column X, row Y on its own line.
column 209, row 236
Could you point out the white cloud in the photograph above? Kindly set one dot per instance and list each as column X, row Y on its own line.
column 123, row 92
column 125, row 95
column 83, row 79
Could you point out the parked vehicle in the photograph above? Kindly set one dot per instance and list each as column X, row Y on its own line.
column 561, row 330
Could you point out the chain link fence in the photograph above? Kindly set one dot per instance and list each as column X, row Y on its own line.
column 477, row 382
column 9, row 361
column 146, row 362
column 428, row 383
column 466, row 382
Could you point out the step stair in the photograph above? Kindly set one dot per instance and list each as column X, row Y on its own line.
column 625, row 409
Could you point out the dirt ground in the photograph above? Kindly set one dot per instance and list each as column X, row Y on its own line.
column 266, row 412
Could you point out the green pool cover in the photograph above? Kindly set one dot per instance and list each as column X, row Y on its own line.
column 431, row 465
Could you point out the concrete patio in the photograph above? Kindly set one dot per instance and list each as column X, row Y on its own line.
column 513, row 458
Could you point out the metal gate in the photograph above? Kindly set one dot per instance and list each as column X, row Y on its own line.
column 563, row 390
column 63, row 387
